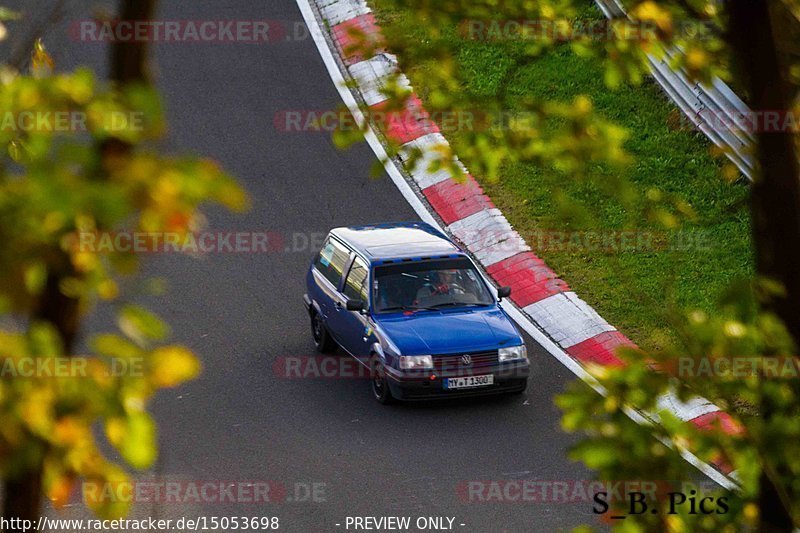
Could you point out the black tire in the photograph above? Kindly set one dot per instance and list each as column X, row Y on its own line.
column 378, row 383
column 322, row 338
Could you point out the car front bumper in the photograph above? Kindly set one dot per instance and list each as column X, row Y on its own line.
column 418, row 385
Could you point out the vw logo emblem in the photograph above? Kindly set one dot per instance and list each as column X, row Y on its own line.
column 466, row 359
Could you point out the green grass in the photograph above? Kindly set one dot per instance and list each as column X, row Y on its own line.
column 636, row 291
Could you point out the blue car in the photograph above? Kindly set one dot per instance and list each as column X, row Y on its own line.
column 411, row 306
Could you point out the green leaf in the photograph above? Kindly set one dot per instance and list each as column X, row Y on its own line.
column 141, row 325
column 112, row 345
column 137, row 440
column 35, row 277
column 44, row 340
column 7, row 14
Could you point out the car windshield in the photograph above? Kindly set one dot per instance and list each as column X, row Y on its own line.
column 429, row 285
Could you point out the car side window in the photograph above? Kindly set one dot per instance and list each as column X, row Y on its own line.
column 331, row 260
column 356, row 285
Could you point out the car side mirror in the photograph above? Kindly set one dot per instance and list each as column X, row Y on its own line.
column 503, row 292
column 355, row 304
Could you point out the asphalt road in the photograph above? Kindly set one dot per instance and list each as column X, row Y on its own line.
column 241, row 312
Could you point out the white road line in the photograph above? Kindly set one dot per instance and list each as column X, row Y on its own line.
column 372, row 139
column 352, row 105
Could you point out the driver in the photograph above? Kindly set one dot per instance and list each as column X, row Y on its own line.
column 445, row 285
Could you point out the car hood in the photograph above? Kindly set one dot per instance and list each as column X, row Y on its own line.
column 450, row 331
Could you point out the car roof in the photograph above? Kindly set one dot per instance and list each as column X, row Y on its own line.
column 396, row 240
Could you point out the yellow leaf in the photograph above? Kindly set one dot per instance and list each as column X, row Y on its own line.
column 108, row 289
column 610, row 404
column 696, row 59
column 652, row 12
column 751, row 512
column 85, row 261
column 172, row 365
column 735, row 329
column 59, row 490
column 41, row 62
column 36, row 408
column 583, row 105
column 115, row 430
column 234, row 198
column 69, row 431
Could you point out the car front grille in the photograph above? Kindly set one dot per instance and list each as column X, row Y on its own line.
column 456, row 361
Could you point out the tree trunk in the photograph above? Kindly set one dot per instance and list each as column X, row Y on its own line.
column 129, row 59
column 775, row 195
column 128, row 63
column 22, row 500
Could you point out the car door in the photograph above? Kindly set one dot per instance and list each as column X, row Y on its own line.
column 328, row 270
column 355, row 324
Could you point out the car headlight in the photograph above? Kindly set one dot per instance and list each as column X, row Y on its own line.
column 512, row 353
column 414, row 362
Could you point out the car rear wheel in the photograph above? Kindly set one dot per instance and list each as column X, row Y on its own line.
column 378, row 381
column 322, row 339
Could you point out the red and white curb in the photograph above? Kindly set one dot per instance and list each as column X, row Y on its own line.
column 545, row 307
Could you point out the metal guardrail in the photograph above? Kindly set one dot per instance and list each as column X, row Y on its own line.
column 714, row 110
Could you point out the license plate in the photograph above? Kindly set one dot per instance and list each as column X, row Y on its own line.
column 468, row 381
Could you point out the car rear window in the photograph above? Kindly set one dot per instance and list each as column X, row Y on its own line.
column 331, row 260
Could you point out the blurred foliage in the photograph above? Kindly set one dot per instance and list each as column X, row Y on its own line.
column 737, row 333
column 569, row 138
column 99, row 170
column 6, row 15
column 515, row 131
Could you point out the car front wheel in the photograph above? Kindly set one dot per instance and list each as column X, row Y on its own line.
column 322, row 339
column 378, row 381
